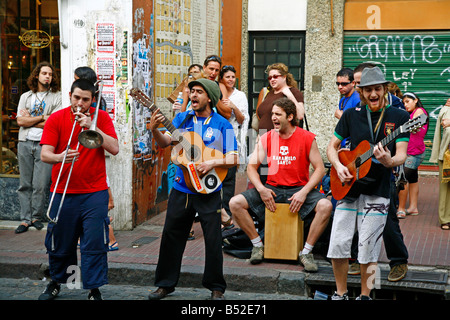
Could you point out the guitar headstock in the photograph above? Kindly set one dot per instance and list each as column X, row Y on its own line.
column 414, row 124
column 141, row 97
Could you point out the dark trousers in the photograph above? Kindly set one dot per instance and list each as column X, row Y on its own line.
column 396, row 251
column 181, row 210
column 228, row 189
column 84, row 217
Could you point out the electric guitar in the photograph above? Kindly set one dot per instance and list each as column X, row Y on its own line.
column 359, row 160
column 189, row 152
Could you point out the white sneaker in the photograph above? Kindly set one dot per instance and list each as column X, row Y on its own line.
column 335, row 296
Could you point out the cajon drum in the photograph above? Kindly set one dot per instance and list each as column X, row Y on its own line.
column 283, row 233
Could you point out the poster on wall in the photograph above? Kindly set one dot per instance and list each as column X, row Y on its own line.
column 105, row 68
column 110, row 98
column 105, row 37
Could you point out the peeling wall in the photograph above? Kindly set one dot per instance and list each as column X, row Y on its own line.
column 78, row 20
column 323, row 59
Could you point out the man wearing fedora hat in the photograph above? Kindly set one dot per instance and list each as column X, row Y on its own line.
column 216, row 133
column 365, row 207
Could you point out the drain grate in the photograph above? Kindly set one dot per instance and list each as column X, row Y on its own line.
column 412, row 275
column 141, row 241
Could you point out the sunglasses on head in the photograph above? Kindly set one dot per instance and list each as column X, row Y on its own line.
column 275, row 76
column 214, row 58
column 342, row 84
column 228, row 68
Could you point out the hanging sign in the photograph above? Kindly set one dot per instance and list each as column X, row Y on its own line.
column 36, row 39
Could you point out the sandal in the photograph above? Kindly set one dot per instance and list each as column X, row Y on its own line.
column 113, row 247
column 445, row 226
column 401, row 214
column 227, row 224
column 415, row 213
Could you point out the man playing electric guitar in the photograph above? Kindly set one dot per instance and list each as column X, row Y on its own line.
column 365, row 207
column 216, row 133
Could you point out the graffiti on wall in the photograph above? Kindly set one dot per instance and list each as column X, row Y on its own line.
column 416, row 62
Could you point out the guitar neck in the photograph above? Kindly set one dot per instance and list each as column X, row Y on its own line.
column 385, row 142
column 144, row 100
column 166, row 122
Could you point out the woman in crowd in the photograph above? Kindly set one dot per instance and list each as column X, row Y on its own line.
column 441, row 143
column 282, row 84
column 416, row 154
column 237, row 102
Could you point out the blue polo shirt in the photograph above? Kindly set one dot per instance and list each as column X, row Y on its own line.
column 216, row 132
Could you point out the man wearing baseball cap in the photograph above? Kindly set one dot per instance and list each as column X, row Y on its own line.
column 216, row 133
column 365, row 207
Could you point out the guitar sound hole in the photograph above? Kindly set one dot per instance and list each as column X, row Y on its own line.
column 194, row 153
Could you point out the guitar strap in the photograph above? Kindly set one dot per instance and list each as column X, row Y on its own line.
column 378, row 126
column 189, row 115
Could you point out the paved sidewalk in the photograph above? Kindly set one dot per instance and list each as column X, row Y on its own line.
column 24, row 256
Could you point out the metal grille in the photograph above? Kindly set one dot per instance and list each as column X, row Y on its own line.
column 415, row 61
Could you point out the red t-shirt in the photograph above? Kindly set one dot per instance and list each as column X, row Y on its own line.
column 288, row 159
column 89, row 171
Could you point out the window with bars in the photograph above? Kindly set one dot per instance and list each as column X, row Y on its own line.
column 266, row 48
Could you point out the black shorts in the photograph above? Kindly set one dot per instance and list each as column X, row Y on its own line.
column 258, row 207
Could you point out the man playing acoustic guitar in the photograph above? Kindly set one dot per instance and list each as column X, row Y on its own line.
column 214, row 133
column 365, row 205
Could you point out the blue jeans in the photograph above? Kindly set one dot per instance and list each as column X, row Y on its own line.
column 34, row 181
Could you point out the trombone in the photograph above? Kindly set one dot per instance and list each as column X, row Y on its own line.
column 90, row 139
column 55, row 221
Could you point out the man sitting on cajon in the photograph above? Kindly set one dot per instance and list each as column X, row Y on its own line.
column 290, row 150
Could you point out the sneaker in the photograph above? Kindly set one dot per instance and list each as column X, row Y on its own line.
column 335, row 296
column 95, row 294
column 257, row 255
column 51, row 291
column 398, row 272
column 361, row 297
column 307, row 260
column 354, row 268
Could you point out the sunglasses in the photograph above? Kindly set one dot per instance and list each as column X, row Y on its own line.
column 342, row 84
column 228, row 68
column 214, row 58
column 275, row 76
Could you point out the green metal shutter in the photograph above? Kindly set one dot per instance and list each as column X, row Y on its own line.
column 416, row 61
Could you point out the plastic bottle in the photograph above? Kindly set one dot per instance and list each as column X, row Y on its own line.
column 180, row 101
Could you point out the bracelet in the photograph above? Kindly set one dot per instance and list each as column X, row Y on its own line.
column 42, row 118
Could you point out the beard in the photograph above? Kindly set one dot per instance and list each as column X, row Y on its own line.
column 46, row 85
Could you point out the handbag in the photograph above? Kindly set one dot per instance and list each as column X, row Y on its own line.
column 446, row 167
column 255, row 119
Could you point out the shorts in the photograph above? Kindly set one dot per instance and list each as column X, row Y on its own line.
column 367, row 215
column 258, row 207
column 414, row 161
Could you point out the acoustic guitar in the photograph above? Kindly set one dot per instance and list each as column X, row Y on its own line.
column 359, row 160
column 189, row 152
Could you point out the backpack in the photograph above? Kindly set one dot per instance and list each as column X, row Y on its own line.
column 237, row 243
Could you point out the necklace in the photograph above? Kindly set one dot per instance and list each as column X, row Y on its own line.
column 38, row 109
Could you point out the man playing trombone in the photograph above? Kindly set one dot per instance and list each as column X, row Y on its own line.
column 79, row 206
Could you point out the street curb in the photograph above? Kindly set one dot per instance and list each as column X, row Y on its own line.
column 237, row 279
